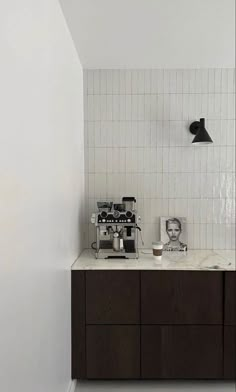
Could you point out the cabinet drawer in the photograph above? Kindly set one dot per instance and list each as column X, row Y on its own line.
column 230, row 298
column 229, row 352
column 112, row 297
column 113, row 351
column 181, row 297
column 184, row 352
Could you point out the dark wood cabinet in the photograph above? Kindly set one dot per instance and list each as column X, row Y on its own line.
column 112, row 297
column 230, row 352
column 181, row 297
column 113, row 351
column 153, row 324
column 182, row 352
column 230, row 298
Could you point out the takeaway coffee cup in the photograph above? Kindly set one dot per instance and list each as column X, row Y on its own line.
column 157, row 248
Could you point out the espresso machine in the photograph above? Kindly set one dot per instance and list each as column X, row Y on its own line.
column 116, row 229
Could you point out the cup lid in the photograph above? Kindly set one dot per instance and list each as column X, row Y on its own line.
column 158, row 243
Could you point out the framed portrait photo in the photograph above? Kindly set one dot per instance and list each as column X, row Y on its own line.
column 174, row 233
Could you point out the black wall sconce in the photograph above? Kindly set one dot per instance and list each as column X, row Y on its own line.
column 198, row 129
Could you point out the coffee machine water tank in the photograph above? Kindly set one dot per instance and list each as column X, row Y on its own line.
column 129, row 203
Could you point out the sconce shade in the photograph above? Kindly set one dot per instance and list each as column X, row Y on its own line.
column 198, row 129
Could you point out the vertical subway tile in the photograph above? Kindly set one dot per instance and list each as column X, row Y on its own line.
column 160, row 106
column 141, row 82
column 223, row 131
column 147, row 133
column 231, row 80
column 90, row 108
column 147, row 81
column 134, row 107
column 233, row 240
column 196, row 236
column 153, row 133
column 224, row 80
column 190, row 236
column 103, row 107
column 166, row 133
column 211, row 80
column 109, row 81
column 147, row 106
column 128, row 82
column 159, row 133
column 128, row 107
column 96, row 81
column 141, row 112
column 134, row 79
column 179, row 81
column 192, row 81
column 96, row 107
column 172, row 81
column 216, row 236
column 154, row 81
column 218, row 80
column 122, row 107
column 153, row 108
column 103, row 81
column 160, row 81
column 115, row 107
column 231, row 106
column 122, row 81
column 209, row 234
column 229, row 132
column 166, row 81
column 115, row 81
column 109, row 107
column 134, row 133
column 228, row 237
column 186, row 81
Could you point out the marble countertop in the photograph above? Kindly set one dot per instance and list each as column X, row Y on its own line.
column 196, row 260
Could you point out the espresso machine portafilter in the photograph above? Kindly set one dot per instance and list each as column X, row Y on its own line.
column 116, row 229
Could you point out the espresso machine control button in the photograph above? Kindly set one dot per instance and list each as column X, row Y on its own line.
column 103, row 214
column 128, row 220
column 104, row 220
column 116, row 214
column 129, row 214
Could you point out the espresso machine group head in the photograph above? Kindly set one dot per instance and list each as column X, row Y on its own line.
column 116, row 229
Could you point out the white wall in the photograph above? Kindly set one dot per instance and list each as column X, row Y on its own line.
column 41, row 193
column 153, row 34
column 138, row 144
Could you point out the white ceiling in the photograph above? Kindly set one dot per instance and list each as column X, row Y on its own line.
column 152, row 33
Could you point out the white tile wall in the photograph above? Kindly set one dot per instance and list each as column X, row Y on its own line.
column 137, row 143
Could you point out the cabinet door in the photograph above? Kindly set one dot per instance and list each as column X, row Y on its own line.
column 230, row 352
column 112, row 297
column 181, row 297
column 113, row 351
column 230, row 298
column 78, row 324
column 182, row 352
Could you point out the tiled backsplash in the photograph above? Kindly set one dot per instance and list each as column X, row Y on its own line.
column 137, row 143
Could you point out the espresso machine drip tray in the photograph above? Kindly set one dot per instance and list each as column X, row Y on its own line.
column 110, row 254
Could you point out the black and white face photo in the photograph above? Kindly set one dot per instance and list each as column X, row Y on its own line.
column 173, row 233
